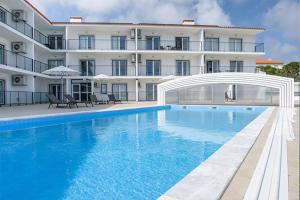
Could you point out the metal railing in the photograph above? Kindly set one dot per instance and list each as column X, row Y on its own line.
column 166, row 70
column 57, row 44
column 233, row 47
column 99, row 44
column 12, row 98
column 20, row 26
column 220, row 69
column 106, row 70
column 19, row 61
column 167, row 45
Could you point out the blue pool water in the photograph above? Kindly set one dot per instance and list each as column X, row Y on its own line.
column 130, row 155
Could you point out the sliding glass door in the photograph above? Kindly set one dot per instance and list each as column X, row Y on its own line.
column 152, row 67
column 182, row 67
column 86, row 42
column 236, row 66
column 212, row 66
column 119, row 67
column 151, row 92
column 87, row 67
column 152, row 42
column 119, row 90
column 2, row 54
column 81, row 91
column 118, row 42
column 2, row 92
column 182, row 43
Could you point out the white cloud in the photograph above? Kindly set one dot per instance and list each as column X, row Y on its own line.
column 167, row 11
column 210, row 12
column 281, row 50
column 284, row 16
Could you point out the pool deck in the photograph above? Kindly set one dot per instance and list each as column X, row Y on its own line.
column 239, row 183
column 42, row 109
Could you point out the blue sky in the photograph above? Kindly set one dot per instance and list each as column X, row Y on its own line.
column 279, row 17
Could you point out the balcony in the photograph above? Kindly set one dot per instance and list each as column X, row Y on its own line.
column 20, row 26
column 99, row 44
column 167, row 70
column 57, row 44
column 233, row 47
column 18, row 61
column 220, row 69
column 169, row 45
column 104, row 69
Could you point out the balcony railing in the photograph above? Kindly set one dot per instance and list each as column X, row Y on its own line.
column 166, row 70
column 99, row 44
column 50, row 43
column 219, row 69
column 20, row 26
column 233, row 47
column 105, row 69
column 13, row 98
column 22, row 62
column 167, row 45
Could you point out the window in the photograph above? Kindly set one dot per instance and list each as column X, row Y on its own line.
column 119, row 90
column 235, row 44
column 182, row 43
column 182, row 67
column 211, row 44
column 2, row 54
column 2, row 15
column 55, row 89
column 151, row 91
column 56, row 42
column 212, row 66
column 55, row 63
column 81, row 91
column 236, row 66
column 119, row 67
column 103, row 88
column 152, row 67
column 152, row 42
column 118, row 42
column 86, row 42
column 87, row 67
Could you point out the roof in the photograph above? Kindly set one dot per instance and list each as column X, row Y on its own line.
column 136, row 24
column 268, row 61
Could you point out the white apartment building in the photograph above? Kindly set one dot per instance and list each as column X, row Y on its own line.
column 134, row 57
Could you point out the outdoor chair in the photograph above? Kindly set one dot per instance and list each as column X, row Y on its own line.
column 73, row 102
column 94, row 99
column 112, row 98
column 54, row 101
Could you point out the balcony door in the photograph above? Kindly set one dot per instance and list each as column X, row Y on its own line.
column 152, row 42
column 56, row 41
column 81, row 91
column 119, row 67
column 119, row 90
column 2, row 92
column 211, row 44
column 235, row 44
column 152, row 67
column 118, row 42
column 2, row 54
column 236, row 66
column 151, row 91
column 182, row 43
column 87, row 67
column 86, row 42
column 2, row 15
column 212, row 66
column 182, row 67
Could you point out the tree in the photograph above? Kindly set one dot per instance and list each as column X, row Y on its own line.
column 291, row 70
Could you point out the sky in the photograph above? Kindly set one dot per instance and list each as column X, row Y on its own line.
column 280, row 18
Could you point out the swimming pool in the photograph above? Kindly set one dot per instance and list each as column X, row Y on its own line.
column 129, row 154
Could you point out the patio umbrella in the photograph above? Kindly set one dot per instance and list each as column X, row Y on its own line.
column 61, row 71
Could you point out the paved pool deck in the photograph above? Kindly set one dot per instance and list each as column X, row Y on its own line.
column 42, row 109
column 239, row 183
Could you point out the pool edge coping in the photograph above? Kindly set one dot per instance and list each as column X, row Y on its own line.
column 79, row 112
column 209, row 180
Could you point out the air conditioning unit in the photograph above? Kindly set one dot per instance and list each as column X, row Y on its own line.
column 18, row 15
column 133, row 58
column 18, row 80
column 18, row 47
column 139, row 33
